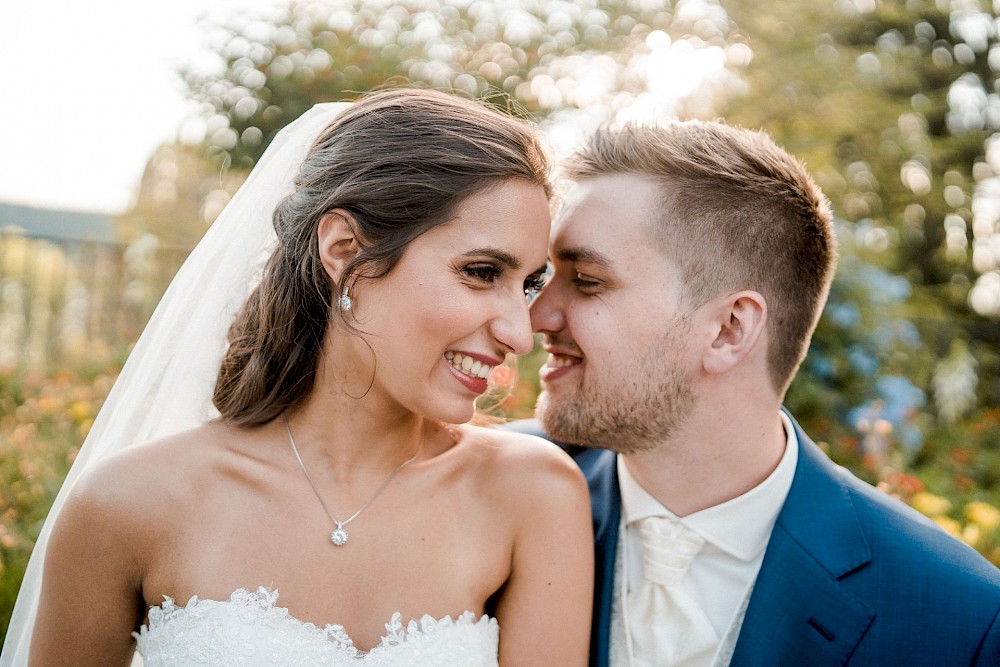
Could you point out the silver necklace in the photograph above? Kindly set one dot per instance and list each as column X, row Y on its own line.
column 339, row 535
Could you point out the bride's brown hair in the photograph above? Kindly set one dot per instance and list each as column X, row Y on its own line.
column 400, row 162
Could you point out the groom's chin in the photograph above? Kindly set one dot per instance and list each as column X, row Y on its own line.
column 548, row 416
column 561, row 421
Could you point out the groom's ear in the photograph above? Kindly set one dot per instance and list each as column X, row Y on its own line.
column 738, row 320
column 338, row 241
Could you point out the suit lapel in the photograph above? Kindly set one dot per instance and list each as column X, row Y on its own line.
column 799, row 613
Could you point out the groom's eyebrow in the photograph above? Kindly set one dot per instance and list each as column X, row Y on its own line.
column 583, row 256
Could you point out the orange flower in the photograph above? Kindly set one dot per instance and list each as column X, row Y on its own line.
column 964, row 482
column 503, row 377
column 962, row 455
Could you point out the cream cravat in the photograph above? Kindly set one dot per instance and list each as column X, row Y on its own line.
column 666, row 627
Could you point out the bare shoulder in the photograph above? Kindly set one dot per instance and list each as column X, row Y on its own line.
column 142, row 478
column 117, row 521
column 525, row 466
column 508, row 448
column 540, row 496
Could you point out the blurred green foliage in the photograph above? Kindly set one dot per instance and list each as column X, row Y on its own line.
column 273, row 69
column 891, row 106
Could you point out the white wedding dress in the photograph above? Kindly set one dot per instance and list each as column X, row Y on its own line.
column 249, row 629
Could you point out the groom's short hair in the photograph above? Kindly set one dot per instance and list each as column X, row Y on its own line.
column 738, row 213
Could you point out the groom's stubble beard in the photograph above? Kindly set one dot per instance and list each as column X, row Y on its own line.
column 634, row 410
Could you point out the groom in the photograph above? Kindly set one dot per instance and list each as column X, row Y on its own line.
column 692, row 261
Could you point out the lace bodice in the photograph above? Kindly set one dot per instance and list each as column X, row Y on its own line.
column 250, row 630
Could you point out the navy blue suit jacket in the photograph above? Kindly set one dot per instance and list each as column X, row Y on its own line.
column 850, row 576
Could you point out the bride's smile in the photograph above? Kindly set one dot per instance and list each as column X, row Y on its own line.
column 453, row 307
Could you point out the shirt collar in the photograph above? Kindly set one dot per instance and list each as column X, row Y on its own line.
column 741, row 526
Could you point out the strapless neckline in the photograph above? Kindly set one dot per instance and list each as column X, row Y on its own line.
column 196, row 631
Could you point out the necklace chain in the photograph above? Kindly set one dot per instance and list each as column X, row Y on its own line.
column 339, row 535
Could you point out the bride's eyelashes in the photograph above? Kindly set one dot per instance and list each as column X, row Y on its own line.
column 488, row 274
column 534, row 283
column 482, row 272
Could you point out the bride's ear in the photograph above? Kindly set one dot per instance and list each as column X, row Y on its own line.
column 338, row 241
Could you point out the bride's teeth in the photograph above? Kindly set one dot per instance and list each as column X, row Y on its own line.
column 468, row 365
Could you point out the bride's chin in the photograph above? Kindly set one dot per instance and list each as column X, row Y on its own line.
column 460, row 417
column 455, row 414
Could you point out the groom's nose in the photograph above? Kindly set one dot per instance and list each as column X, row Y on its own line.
column 546, row 315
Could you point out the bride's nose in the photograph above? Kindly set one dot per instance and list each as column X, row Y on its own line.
column 512, row 326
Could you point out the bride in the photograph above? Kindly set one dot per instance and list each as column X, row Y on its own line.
column 336, row 509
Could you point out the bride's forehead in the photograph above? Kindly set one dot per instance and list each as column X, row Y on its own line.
column 511, row 221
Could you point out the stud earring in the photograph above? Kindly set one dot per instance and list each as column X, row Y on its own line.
column 345, row 301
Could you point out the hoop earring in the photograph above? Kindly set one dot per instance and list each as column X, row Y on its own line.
column 371, row 383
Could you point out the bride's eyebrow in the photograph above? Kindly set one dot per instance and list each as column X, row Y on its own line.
column 501, row 256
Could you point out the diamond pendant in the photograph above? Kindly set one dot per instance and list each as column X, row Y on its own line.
column 339, row 536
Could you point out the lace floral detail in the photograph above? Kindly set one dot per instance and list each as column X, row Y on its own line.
column 251, row 630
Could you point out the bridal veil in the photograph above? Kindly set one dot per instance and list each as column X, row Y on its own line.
column 167, row 383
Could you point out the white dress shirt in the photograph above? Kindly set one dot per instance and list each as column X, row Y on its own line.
column 736, row 534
